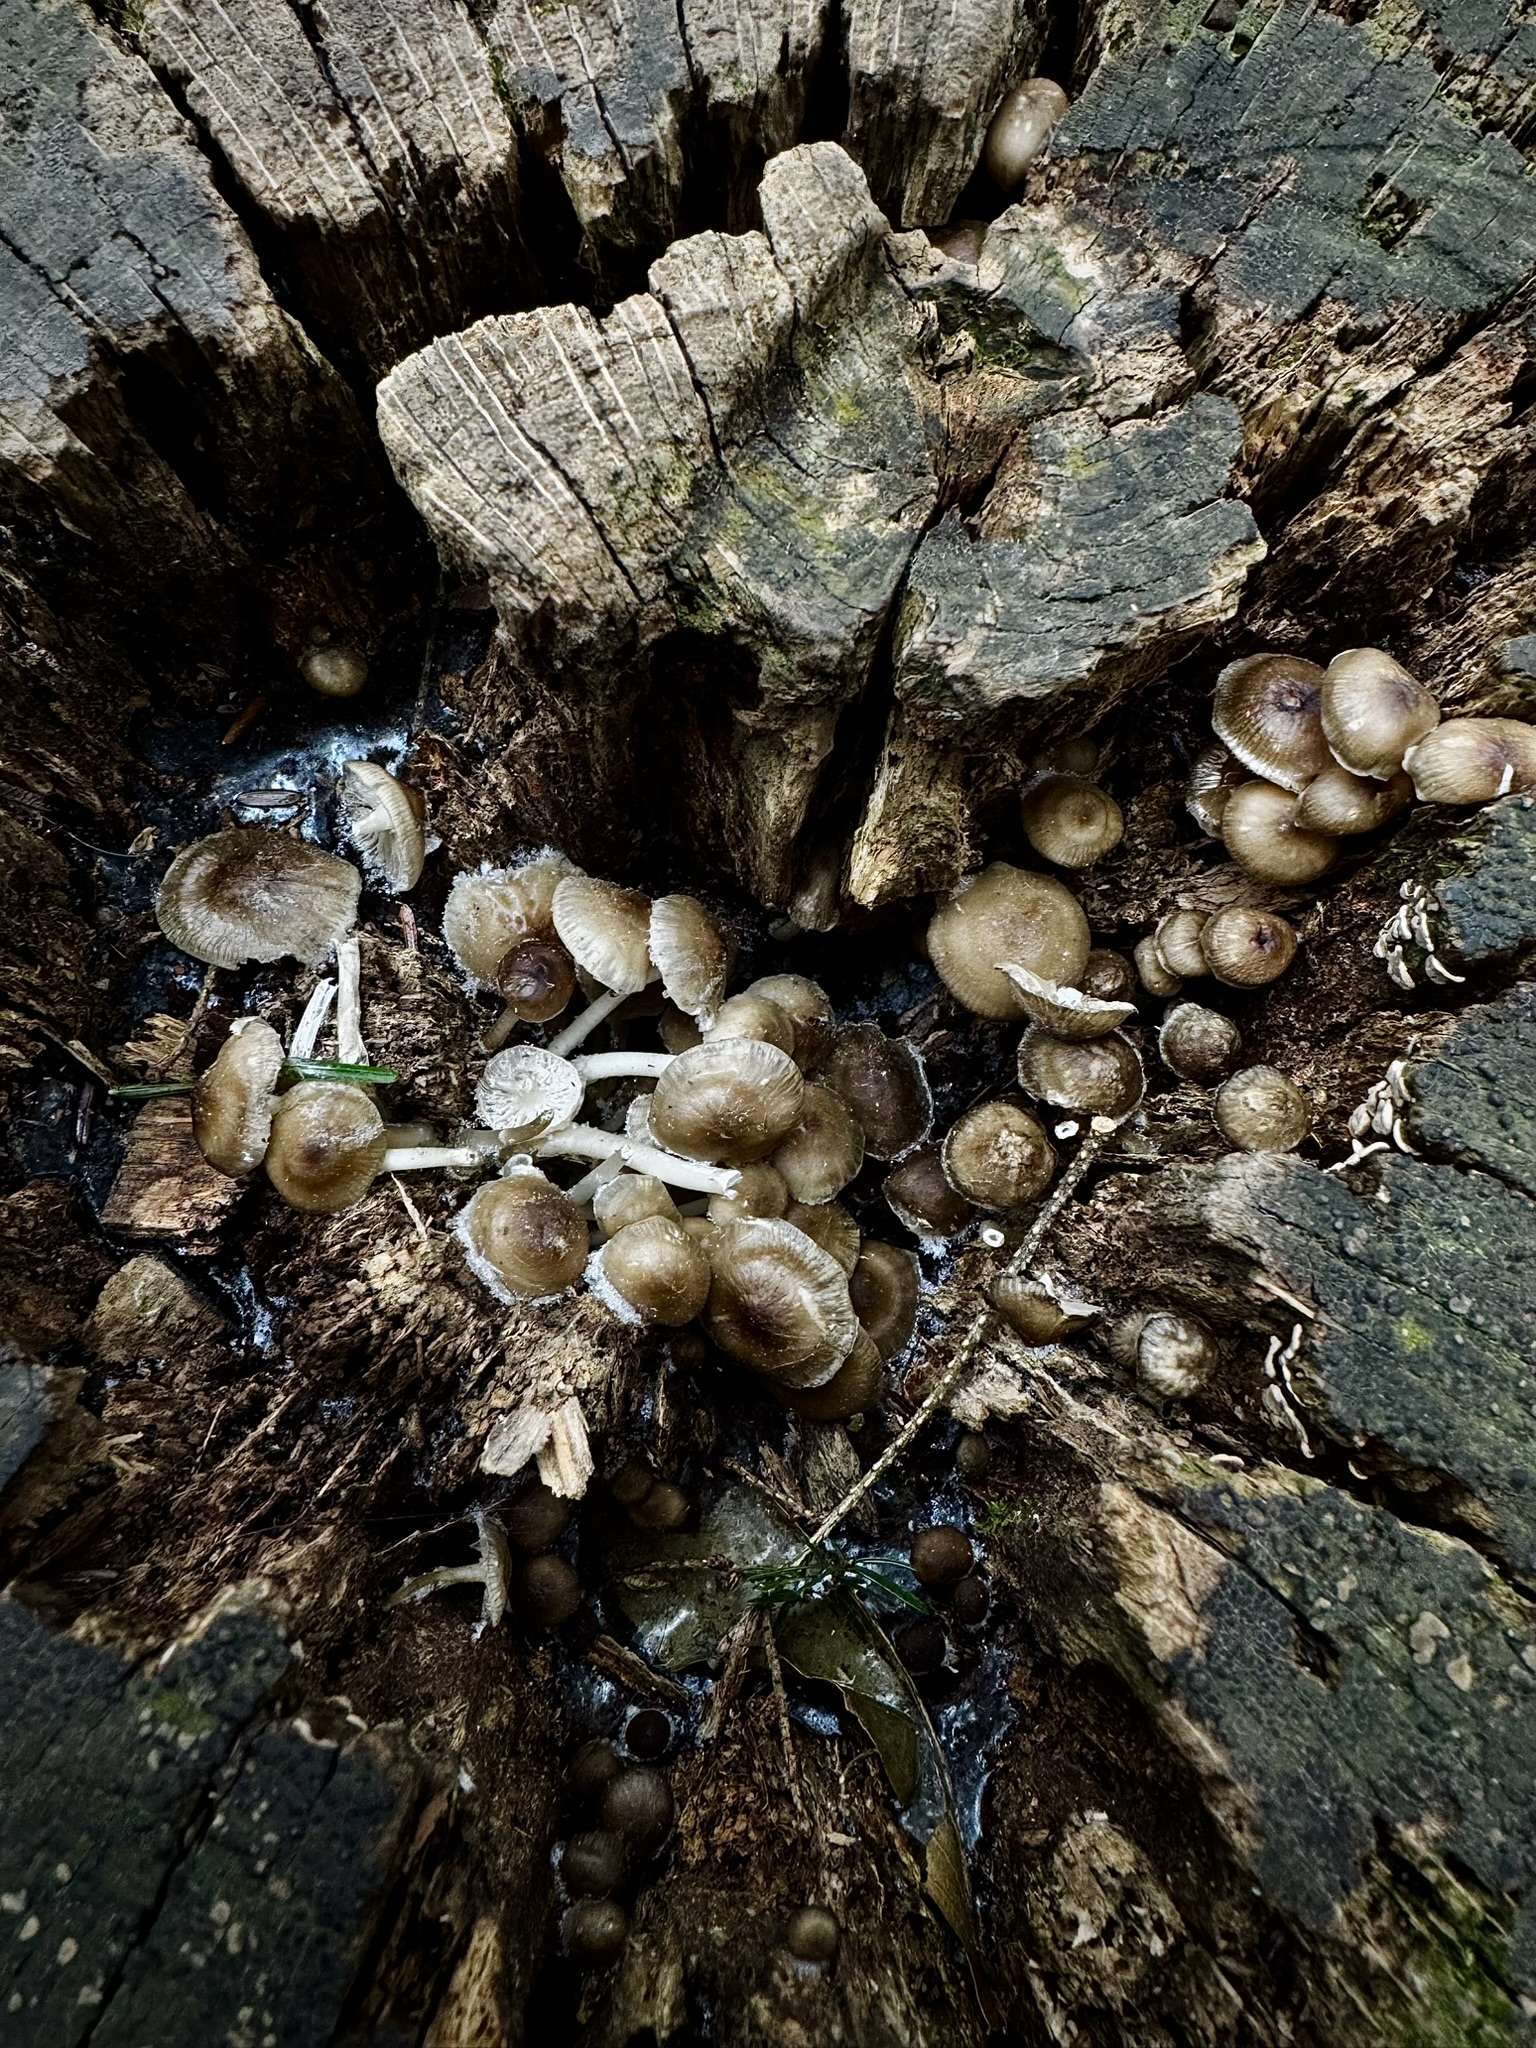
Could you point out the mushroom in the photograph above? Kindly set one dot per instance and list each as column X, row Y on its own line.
column 1078, row 754
column 1070, row 821
column 522, row 1238
column 824, row 1151
column 232, row 1103
column 750, row 1016
column 1472, row 761
column 249, row 894
column 387, row 821
column 729, row 1100
column 1246, row 947
column 327, row 1144
column 594, row 1931
column 1005, row 914
column 760, row 1190
column 536, row 979
column 806, row 1005
column 998, row 1156
column 1199, row 1044
column 779, row 1303
column 1268, row 711
column 1260, row 831
column 941, row 1555
column 829, row 1225
column 969, row 1602
column 1035, row 1306
column 638, row 1804
column 1259, row 1110
column 1338, row 802
column 656, row 1270
column 629, row 1198
column 884, row 1083
column 858, row 1383
column 527, row 1092
column 690, row 955
column 1177, row 939
column 1211, row 781
column 973, row 1454
column 334, row 671
column 920, row 1197
column 1066, row 1011
column 1373, row 711
column 1108, row 977
column 1021, row 128
column 1096, row 1076
column 592, row 1864
column 883, row 1288
column 1173, row 1354
column 534, row 1518
column 592, row 1768
column 1157, row 977
column 606, row 930
column 648, row 1732
column 493, row 910
column 677, row 1030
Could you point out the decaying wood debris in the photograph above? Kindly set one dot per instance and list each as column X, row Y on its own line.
column 691, row 460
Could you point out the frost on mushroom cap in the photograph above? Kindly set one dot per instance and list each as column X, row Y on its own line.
column 387, row 821
column 232, row 1104
column 998, row 1156
column 824, row 1151
column 1001, row 914
column 1066, row 1011
column 249, row 894
column 606, row 930
column 884, row 1083
column 523, row 1239
column 1374, row 711
column 327, row 1144
column 729, row 1101
column 778, row 1302
column 1268, row 710
column 489, row 912
column 690, row 955
column 526, row 1092
column 1473, row 761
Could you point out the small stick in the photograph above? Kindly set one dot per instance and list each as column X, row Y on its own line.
column 350, row 1049
column 170, row 1057
column 245, row 721
column 735, row 1646
column 786, row 1733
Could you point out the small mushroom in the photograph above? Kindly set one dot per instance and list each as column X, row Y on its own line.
column 1373, row 711
column 546, row 1590
column 824, row 1151
column 1212, row 780
column 729, row 1100
column 592, row 1864
column 606, row 931
column 1199, row 1044
column 941, row 1555
column 493, row 910
column 327, row 1144
column 1003, row 914
column 1021, row 128
column 1078, row 754
column 387, row 821
column 750, row 1016
column 883, row 1288
column 1070, row 821
column 233, row 1102
column 1246, row 947
column 664, row 1506
column 884, row 1083
column 1260, row 832
column 998, row 1156
column 829, row 1225
column 920, row 1197
column 1259, row 1110
column 534, row 1518
column 334, row 671
column 249, row 894
column 593, row 1767
column 594, row 1931
column 1268, row 711
column 657, row 1270
column 528, row 1091
column 1344, row 804
column 1471, row 761
column 858, row 1383
column 1108, row 977
column 969, row 1602
column 973, row 1455
column 690, row 956
column 760, row 1190
column 536, row 980
column 1173, row 1354
column 1095, row 1076
column 522, row 1238
column 638, row 1805
column 921, row 1645
column 628, row 1198
column 1069, row 1012
column 1177, row 939
column 1157, row 977
column 806, row 1005
column 778, row 1302
column 1035, row 1306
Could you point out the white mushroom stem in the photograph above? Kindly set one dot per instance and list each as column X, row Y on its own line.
column 496, row 1037
column 581, row 1027
column 582, row 1191
column 306, row 1034
column 609, row 1066
column 431, row 1158
column 350, row 1049
column 584, row 1141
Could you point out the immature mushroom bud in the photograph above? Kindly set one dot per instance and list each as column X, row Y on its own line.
column 663, row 1506
column 334, row 671
column 657, row 1270
column 232, row 1104
column 1173, row 1354
column 606, row 931
column 629, row 1198
column 1021, row 128
column 592, row 1864
column 1177, row 939
column 858, row 1383
column 250, row 894
column 594, row 1766
column 824, row 1151
column 1211, row 781
column 528, row 1091
column 779, row 1303
column 973, row 1455
column 884, row 1083
column 685, row 943
column 919, row 1196
column 808, row 1008
column 1269, row 711
column 1070, row 821
column 534, row 1518
column 829, row 1225
column 1374, row 711
column 677, row 1030
column 387, row 821
column 536, row 979
column 1077, row 755
column 941, row 1555
column 884, row 1291
column 1259, row 1110
column 749, row 1016
column 1005, row 914
column 1095, row 1076
column 594, row 1931
column 648, row 1733
column 490, row 912
column 1470, row 761
column 1066, row 1011
column 522, row 1238
column 638, row 1804
column 327, row 1144
column 1247, row 947
column 1157, row 977
column 1341, row 803
column 546, row 1590
column 1261, row 833
column 1036, row 1308
column 998, row 1156
column 730, row 1101
column 969, row 1602
column 760, row 1190
column 1199, row 1044
column 1108, row 977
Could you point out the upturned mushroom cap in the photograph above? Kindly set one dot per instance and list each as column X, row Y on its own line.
column 779, row 1303
column 522, row 1237
column 1021, row 128
column 824, row 1151
column 858, row 1383
column 1259, row 1110
column 334, row 671
column 657, row 1270
column 998, row 1156
column 919, row 1196
column 1069, row 820
column 249, row 894
column 387, row 821
column 606, row 930
column 883, row 1288
column 629, row 1198
column 749, row 1016
column 690, row 955
column 1473, row 761
column 807, row 1006
column 1178, row 943
column 1157, row 977
column 490, row 912
column 1342, row 803
column 1212, row 780
column 1066, row 1011
column 1096, row 1076
column 1247, row 947
column 885, row 1085
column 829, row 1225
column 1260, row 831
column 1005, row 914
column 232, row 1104
column 1269, row 711
column 1374, row 711
column 526, row 1092
column 728, row 1101
column 1037, row 1309
column 327, row 1144
column 536, row 979
column 1199, row 1044
column 760, row 1190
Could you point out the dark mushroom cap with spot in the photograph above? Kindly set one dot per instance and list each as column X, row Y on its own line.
column 493, row 910
column 941, row 1555
column 594, row 1931
column 919, row 1195
column 729, row 1101
column 523, row 1238
column 536, row 979
column 778, row 1302
column 885, row 1085
column 1269, row 712
column 638, row 1804
column 249, row 894
column 326, row 1146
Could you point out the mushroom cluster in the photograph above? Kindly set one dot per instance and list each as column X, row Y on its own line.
column 617, row 1786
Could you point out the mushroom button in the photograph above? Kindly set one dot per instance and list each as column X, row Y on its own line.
column 1259, row 1110
column 249, row 894
column 334, row 671
column 627, row 1198
column 884, row 1083
column 1070, row 821
column 941, row 1555
column 750, row 1016
column 1177, row 939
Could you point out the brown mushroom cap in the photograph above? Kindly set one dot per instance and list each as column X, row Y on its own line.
column 1095, row 1076
column 750, row 1016
column 523, row 1238
column 1005, row 914
column 249, row 894
column 829, row 1225
column 760, row 1190
column 998, row 1156
column 1473, row 761
column 594, row 1931
column 628, row 1198
column 657, row 1270
column 824, row 1151
column 919, row 1196
column 807, row 1006
column 884, row 1083
column 941, row 1555
column 490, row 912
column 1247, row 947
column 606, row 930
column 1199, row 1044
column 1338, row 802
column 334, row 671
column 1157, row 977
column 1037, row 1309
column 1020, row 129
column 1211, row 781
column 1108, row 977
column 858, row 1383
column 1269, row 711
column 232, row 1104
column 1069, row 820
column 387, row 821
column 677, row 1030
column 536, row 979
column 1373, row 711
column 883, row 1288
column 729, row 1101
column 779, row 1303
column 1259, row 1110
column 326, row 1146
column 689, row 952
column 1260, row 831
column 1178, row 943
column 1066, row 1011
column 1175, row 1354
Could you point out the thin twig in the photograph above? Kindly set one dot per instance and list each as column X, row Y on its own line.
column 786, row 1733
column 735, row 1646
column 782, row 1501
